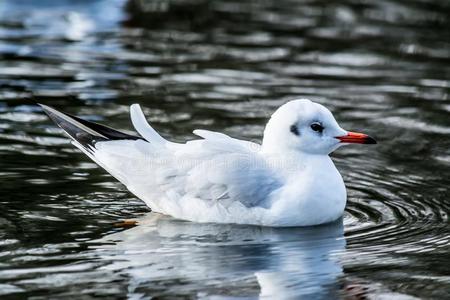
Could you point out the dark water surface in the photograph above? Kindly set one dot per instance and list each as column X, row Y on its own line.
column 382, row 67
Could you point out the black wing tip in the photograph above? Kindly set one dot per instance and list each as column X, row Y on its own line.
column 44, row 107
column 47, row 109
column 84, row 132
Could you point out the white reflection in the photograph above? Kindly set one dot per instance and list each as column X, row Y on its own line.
column 221, row 260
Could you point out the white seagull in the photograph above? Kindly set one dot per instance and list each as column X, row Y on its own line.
column 288, row 180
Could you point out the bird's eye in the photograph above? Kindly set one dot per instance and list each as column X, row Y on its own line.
column 316, row 126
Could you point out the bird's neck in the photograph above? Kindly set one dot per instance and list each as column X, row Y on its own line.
column 292, row 163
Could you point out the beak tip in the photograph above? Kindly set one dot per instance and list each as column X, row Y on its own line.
column 356, row 138
column 370, row 140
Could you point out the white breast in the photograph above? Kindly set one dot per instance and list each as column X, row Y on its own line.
column 315, row 194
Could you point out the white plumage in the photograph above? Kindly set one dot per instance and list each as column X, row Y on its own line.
column 289, row 180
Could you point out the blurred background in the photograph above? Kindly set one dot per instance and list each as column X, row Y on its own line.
column 382, row 67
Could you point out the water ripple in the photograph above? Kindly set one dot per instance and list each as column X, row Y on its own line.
column 381, row 67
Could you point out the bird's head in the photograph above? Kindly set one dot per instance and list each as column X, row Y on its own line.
column 308, row 127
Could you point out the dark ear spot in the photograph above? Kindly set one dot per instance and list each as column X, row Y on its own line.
column 294, row 130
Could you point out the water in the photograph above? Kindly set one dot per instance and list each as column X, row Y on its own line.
column 382, row 67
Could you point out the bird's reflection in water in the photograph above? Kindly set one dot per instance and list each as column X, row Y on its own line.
column 162, row 256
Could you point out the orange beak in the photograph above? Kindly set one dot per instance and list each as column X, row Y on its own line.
column 356, row 138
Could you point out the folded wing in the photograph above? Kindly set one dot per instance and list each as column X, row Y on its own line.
column 217, row 169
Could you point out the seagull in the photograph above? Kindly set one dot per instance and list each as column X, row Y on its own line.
column 287, row 180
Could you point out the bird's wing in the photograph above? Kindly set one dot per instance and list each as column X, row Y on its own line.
column 215, row 168
column 221, row 168
column 229, row 144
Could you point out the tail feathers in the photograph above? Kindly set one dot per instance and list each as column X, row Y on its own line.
column 141, row 125
column 85, row 133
